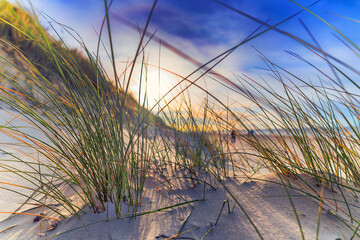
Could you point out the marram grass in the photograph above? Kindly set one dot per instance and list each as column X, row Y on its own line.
column 94, row 138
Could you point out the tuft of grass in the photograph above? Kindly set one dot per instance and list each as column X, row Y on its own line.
column 97, row 141
column 95, row 132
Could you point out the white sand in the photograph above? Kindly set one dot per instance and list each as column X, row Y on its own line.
column 264, row 200
column 10, row 201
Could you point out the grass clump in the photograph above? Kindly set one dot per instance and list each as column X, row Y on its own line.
column 95, row 139
column 93, row 130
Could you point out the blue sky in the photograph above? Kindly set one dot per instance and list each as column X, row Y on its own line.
column 203, row 29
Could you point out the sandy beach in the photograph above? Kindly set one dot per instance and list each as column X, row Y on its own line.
column 212, row 211
column 158, row 120
column 264, row 199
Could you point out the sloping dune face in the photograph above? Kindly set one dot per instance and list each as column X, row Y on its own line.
column 16, row 152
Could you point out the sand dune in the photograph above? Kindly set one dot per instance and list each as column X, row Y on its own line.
column 264, row 200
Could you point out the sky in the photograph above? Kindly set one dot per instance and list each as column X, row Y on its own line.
column 203, row 29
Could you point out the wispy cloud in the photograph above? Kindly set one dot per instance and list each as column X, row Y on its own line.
column 203, row 29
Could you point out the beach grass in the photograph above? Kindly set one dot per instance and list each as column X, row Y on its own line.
column 104, row 146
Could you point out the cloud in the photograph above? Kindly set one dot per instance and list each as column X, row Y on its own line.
column 201, row 22
column 203, row 29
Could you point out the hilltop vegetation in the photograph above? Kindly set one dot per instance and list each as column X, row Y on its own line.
column 34, row 51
